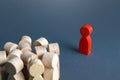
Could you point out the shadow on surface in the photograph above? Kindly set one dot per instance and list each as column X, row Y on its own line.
column 70, row 47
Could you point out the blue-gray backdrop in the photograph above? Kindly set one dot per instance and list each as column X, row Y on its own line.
column 60, row 21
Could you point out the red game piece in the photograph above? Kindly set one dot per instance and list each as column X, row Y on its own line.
column 85, row 45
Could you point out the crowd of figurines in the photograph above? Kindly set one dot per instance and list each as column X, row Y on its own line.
column 20, row 62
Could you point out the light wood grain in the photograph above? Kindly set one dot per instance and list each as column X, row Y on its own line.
column 54, row 48
column 35, row 67
column 14, row 53
column 40, row 51
column 51, row 74
column 25, row 47
column 3, row 57
column 25, row 39
column 28, row 56
column 9, row 46
column 58, row 67
column 14, row 65
column 50, row 60
column 41, row 42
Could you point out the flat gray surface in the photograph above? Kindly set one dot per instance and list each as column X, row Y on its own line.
column 60, row 21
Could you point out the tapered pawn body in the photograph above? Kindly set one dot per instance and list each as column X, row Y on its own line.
column 85, row 45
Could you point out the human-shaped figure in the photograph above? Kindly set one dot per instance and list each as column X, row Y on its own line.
column 85, row 44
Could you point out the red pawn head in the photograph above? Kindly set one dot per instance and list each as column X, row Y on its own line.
column 85, row 45
column 86, row 30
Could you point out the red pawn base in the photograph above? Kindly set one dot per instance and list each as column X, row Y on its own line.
column 85, row 52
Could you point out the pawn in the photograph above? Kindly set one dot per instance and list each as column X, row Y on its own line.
column 85, row 44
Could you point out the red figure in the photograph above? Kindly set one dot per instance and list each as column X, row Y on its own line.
column 85, row 45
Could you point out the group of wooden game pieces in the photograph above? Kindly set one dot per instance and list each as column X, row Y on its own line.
column 21, row 63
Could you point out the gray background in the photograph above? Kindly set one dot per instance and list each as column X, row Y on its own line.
column 60, row 21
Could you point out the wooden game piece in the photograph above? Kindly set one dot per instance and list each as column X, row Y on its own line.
column 27, row 56
column 40, row 50
column 85, row 45
column 25, row 47
column 58, row 67
column 35, row 67
column 9, row 46
column 50, row 60
column 3, row 57
column 41, row 42
column 36, row 78
column 15, row 53
column 54, row 48
column 22, row 53
column 18, row 76
column 51, row 74
column 26, row 39
column 14, row 65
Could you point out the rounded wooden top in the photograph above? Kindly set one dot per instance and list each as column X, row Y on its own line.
column 86, row 30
